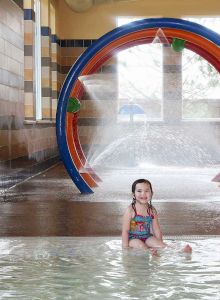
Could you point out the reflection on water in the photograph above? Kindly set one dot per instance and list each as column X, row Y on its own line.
column 97, row 268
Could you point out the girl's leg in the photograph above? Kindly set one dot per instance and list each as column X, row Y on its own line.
column 153, row 242
column 137, row 244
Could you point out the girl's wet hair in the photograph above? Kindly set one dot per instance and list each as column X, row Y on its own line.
column 141, row 181
column 151, row 210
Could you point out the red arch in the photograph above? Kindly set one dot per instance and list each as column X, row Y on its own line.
column 194, row 42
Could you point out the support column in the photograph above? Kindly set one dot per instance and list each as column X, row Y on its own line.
column 46, row 81
column 172, row 85
column 29, row 65
column 54, row 61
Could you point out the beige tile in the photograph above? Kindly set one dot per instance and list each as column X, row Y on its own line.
column 13, row 65
column 45, row 113
column 29, row 99
column 54, row 111
column 29, row 27
column 45, row 72
column 13, row 94
column 29, row 111
column 45, row 82
column 45, row 41
column 19, row 56
column 54, row 57
column 15, row 21
column 3, row 15
column 54, row 48
column 3, row 61
column 29, row 4
column 2, row 45
column 28, row 74
column 45, row 52
column 21, row 96
column 28, row 38
column 54, row 75
column 45, row 102
column 28, row 62
column 54, row 86
column 3, row 92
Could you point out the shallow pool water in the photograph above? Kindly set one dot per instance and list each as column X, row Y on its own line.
column 97, row 268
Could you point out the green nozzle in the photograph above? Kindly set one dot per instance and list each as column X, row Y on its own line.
column 178, row 45
column 73, row 105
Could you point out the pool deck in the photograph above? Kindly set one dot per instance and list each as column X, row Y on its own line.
column 49, row 205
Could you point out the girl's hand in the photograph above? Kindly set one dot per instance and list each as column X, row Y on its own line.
column 125, row 247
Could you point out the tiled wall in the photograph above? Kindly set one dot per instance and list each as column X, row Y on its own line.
column 18, row 139
column 11, row 76
column 22, row 145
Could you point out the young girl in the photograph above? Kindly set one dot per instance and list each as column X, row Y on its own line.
column 140, row 227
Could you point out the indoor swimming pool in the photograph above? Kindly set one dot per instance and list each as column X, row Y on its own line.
column 97, row 268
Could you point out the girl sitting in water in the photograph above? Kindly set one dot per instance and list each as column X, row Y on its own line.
column 141, row 229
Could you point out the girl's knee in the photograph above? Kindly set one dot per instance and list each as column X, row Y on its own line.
column 154, row 242
column 138, row 244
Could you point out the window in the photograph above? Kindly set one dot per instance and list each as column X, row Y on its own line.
column 201, row 81
column 144, row 80
column 140, row 81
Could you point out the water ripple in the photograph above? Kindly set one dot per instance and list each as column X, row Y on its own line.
column 70, row 268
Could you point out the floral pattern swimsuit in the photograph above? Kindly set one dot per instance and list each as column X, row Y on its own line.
column 140, row 227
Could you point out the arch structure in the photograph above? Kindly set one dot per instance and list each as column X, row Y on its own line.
column 197, row 38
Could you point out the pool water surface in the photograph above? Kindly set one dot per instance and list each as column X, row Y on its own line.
column 97, row 268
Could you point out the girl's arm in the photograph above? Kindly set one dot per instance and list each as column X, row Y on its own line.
column 126, row 228
column 156, row 228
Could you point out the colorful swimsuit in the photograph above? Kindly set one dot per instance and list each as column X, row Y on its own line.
column 140, row 227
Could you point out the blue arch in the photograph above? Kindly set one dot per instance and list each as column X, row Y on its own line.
column 87, row 56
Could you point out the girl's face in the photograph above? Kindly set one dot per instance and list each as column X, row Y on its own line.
column 143, row 193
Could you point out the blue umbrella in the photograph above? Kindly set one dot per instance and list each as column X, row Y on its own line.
column 131, row 109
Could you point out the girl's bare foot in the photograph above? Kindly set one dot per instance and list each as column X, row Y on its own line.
column 187, row 249
column 154, row 252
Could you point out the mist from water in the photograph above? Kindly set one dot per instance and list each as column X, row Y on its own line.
column 151, row 138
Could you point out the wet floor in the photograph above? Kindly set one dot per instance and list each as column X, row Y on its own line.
column 50, row 205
